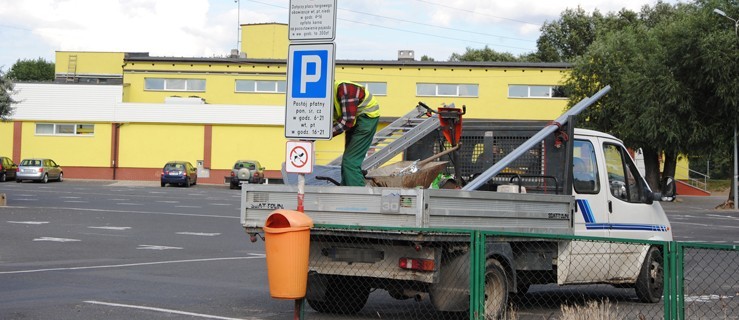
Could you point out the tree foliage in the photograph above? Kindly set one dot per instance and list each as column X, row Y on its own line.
column 485, row 54
column 6, row 99
column 673, row 76
column 32, row 70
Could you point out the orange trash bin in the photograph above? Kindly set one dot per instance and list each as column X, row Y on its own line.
column 287, row 242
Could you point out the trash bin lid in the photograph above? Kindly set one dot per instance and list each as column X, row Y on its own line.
column 282, row 218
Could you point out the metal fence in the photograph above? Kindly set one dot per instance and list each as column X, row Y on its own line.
column 361, row 273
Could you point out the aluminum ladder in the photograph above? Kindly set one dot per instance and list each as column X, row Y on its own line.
column 396, row 137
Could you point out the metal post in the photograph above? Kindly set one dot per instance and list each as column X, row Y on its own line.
column 736, row 176
column 238, row 24
column 299, row 303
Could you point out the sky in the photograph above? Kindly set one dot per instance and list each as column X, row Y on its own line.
column 365, row 29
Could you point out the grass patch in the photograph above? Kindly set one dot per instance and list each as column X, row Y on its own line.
column 719, row 185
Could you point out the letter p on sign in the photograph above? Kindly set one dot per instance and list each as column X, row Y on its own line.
column 310, row 74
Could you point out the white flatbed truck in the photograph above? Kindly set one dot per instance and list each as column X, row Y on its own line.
column 402, row 239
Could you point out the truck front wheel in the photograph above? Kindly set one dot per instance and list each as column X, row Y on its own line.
column 496, row 290
column 650, row 283
column 336, row 294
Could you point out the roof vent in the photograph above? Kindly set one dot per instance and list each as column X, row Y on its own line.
column 405, row 55
column 234, row 53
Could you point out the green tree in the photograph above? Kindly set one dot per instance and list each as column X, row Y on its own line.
column 426, row 58
column 32, row 70
column 569, row 36
column 485, row 54
column 671, row 71
column 6, row 100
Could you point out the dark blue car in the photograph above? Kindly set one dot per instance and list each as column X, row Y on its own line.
column 179, row 172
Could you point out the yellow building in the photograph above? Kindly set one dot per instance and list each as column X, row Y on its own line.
column 132, row 112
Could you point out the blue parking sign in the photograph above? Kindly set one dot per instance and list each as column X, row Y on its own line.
column 310, row 84
column 309, row 74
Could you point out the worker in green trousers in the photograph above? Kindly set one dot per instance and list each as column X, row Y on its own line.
column 356, row 114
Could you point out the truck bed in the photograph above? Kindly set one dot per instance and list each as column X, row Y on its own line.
column 413, row 208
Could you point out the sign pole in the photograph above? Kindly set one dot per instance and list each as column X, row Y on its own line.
column 310, row 82
column 301, row 191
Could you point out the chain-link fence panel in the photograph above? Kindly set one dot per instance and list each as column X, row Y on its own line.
column 564, row 277
column 435, row 274
column 710, row 283
column 388, row 274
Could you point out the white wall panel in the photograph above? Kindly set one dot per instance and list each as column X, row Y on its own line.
column 102, row 103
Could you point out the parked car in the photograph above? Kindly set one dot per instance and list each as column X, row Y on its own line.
column 182, row 173
column 39, row 170
column 248, row 171
column 7, row 169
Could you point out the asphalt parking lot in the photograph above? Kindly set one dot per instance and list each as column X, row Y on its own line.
column 134, row 250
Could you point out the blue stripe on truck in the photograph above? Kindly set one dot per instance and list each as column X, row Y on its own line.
column 590, row 224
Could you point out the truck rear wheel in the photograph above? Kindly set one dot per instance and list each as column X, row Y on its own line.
column 336, row 294
column 496, row 290
column 650, row 283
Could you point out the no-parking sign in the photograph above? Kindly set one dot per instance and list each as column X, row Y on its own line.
column 299, row 157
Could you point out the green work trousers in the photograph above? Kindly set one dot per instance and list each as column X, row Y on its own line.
column 357, row 141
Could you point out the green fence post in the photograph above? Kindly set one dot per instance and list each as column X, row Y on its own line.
column 476, row 279
column 668, row 254
column 680, row 281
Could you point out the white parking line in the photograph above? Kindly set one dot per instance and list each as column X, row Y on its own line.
column 220, row 204
column 188, row 207
column 207, row 316
column 168, row 201
column 69, row 197
column 705, row 298
column 29, row 222
column 199, row 234
column 252, row 256
column 129, row 211
column 55, row 239
column 128, row 204
column 151, row 247
column 110, row 228
column 75, row 201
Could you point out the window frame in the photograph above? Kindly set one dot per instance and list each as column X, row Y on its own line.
column 552, row 91
column 56, row 129
column 198, row 85
column 457, row 93
column 277, row 84
column 591, row 160
column 370, row 84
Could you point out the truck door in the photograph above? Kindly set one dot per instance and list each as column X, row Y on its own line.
column 630, row 214
column 587, row 261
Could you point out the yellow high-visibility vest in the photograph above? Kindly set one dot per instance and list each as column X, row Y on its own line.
column 368, row 106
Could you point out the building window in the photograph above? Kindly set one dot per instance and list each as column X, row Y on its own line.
column 64, row 129
column 527, row 91
column 447, row 90
column 376, row 88
column 174, row 84
column 261, row 86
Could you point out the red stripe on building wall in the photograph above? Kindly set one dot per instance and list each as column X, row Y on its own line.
column 17, row 135
column 207, row 145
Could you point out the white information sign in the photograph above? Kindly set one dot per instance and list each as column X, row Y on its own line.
column 312, row 20
column 310, row 85
column 299, row 157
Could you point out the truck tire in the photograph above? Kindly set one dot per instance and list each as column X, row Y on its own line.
column 336, row 294
column 496, row 290
column 650, row 283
